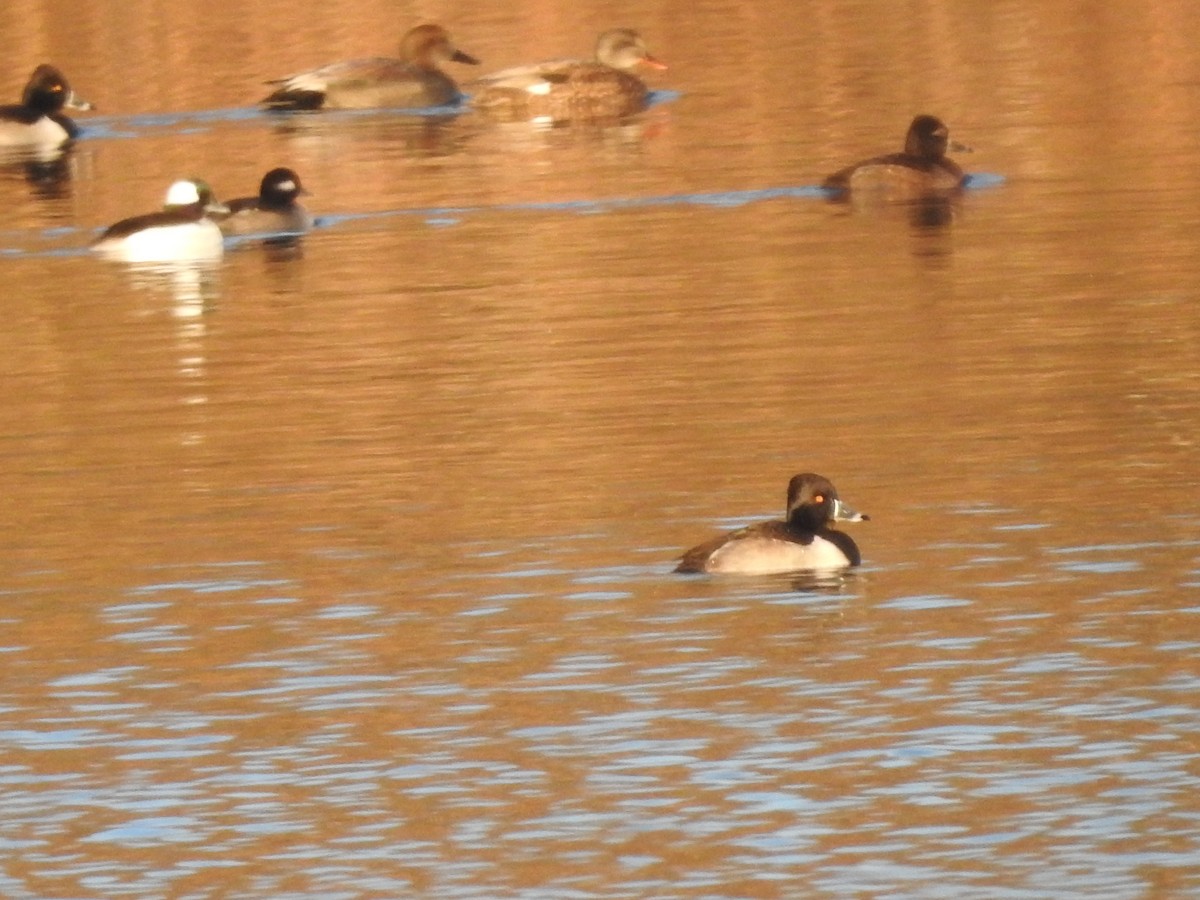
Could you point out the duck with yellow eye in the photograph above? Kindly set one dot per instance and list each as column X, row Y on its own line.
column 38, row 120
column 804, row 541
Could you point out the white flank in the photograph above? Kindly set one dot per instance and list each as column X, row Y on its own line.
column 45, row 132
column 764, row 556
column 186, row 241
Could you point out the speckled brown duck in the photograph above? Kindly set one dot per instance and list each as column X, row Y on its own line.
column 572, row 89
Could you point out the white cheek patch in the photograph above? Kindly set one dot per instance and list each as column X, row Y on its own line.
column 288, row 185
column 182, row 193
column 307, row 81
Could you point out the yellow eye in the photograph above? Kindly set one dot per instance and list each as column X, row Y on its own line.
column 819, row 498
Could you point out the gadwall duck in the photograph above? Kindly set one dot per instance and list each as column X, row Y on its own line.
column 411, row 81
column 37, row 121
column 803, row 541
column 182, row 230
column 923, row 167
column 275, row 210
column 566, row 89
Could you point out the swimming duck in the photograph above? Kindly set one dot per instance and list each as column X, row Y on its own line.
column 803, row 541
column 37, row 121
column 412, row 81
column 922, row 167
column 600, row 88
column 274, row 211
column 181, row 230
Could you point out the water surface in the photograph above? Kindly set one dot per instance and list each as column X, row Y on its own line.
column 342, row 570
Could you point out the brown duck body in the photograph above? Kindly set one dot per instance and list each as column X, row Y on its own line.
column 921, row 168
column 899, row 172
column 571, row 89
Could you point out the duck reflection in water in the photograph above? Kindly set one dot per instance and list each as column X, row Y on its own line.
column 48, row 179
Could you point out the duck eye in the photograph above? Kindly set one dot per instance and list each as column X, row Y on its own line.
column 818, row 499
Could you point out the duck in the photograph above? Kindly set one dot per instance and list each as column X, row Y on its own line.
column 182, row 230
column 274, row 211
column 413, row 80
column 921, row 168
column 603, row 87
column 803, row 540
column 38, row 121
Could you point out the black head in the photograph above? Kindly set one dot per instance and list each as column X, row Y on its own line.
column 47, row 91
column 279, row 187
column 927, row 137
column 812, row 503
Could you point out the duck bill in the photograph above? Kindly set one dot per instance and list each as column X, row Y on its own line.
column 216, row 208
column 956, row 147
column 76, row 102
column 654, row 62
column 844, row 513
column 459, row 57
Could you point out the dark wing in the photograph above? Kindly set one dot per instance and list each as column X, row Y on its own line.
column 241, row 204
column 18, row 113
column 307, row 90
column 126, row 227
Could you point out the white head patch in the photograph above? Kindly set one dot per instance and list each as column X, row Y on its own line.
column 182, row 193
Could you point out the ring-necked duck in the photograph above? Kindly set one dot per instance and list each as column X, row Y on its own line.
column 274, row 211
column 921, row 168
column 603, row 87
column 182, row 230
column 803, row 541
column 38, row 120
column 412, row 81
